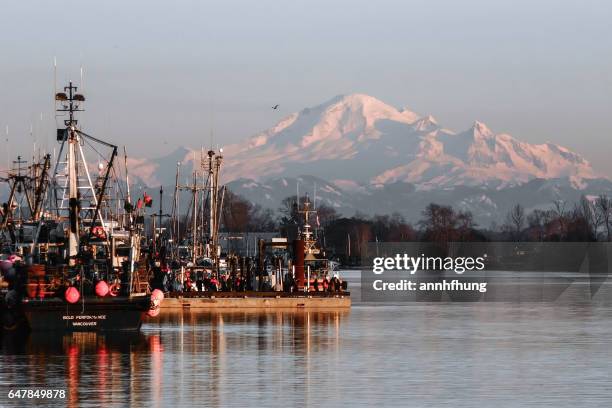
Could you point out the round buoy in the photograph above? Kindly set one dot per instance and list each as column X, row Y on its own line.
column 157, row 295
column 72, row 295
column 102, row 289
column 156, row 298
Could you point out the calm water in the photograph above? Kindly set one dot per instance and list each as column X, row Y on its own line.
column 433, row 354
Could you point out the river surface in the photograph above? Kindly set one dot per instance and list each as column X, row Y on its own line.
column 413, row 354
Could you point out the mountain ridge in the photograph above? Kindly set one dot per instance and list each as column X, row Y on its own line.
column 488, row 205
column 359, row 139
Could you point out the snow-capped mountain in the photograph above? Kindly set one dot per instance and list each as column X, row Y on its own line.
column 366, row 156
column 357, row 140
column 478, row 157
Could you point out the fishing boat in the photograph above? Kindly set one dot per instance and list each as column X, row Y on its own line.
column 70, row 255
column 193, row 270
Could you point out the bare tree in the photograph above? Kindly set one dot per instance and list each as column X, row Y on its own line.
column 589, row 212
column 536, row 221
column 560, row 214
column 516, row 218
column 439, row 223
column 604, row 205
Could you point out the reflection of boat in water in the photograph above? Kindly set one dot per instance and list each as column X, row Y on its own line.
column 278, row 316
column 73, row 250
column 84, row 343
column 83, row 366
column 178, row 359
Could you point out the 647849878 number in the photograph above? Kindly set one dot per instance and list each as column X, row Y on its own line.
column 28, row 393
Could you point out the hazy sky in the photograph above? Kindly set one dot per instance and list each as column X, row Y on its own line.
column 156, row 72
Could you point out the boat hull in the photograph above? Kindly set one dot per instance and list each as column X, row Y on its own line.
column 96, row 314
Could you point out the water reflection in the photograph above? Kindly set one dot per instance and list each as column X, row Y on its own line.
column 435, row 354
column 226, row 354
column 174, row 358
column 273, row 330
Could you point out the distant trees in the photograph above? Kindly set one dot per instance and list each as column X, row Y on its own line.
column 288, row 212
column 393, row 228
column 240, row 215
column 345, row 237
column 604, row 206
column 325, row 215
column 515, row 219
column 584, row 222
column 587, row 209
column 443, row 224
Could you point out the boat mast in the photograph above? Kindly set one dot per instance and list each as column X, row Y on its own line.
column 212, row 200
column 72, row 138
column 175, row 215
column 74, row 180
column 41, row 188
column 194, row 218
column 214, row 169
column 307, row 235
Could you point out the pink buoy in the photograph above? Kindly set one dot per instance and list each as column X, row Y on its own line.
column 72, row 295
column 153, row 312
column 157, row 295
column 102, row 289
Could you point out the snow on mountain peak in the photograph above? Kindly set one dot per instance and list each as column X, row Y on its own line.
column 480, row 129
column 333, row 130
column 426, row 124
column 359, row 138
column 367, row 107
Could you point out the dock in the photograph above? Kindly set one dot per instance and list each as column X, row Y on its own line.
column 256, row 300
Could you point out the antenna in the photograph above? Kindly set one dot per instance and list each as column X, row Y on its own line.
column 39, row 129
column 127, row 177
column 212, row 122
column 54, row 89
column 82, row 87
column 297, row 188
column 315, row 196
column 54, row 74
column 33, row 138
column 8, row 155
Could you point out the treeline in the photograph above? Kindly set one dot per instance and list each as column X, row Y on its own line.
column 241, row 215
column 588, row 220
column 345, row 237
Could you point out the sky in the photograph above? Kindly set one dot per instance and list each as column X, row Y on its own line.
column 163, row 74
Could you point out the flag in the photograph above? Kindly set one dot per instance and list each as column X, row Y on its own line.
column 148, row 201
